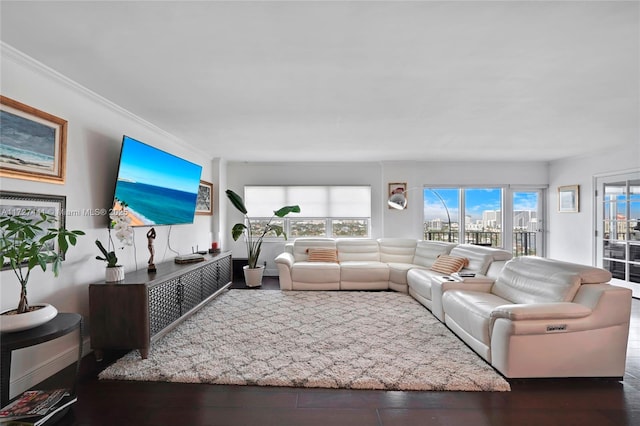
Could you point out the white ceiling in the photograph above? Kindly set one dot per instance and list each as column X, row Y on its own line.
column 354, row 81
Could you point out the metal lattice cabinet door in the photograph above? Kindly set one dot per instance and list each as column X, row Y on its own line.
column 191, row 290
column 164, row 304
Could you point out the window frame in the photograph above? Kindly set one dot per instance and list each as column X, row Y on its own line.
column 328, row 220
column 506, row 211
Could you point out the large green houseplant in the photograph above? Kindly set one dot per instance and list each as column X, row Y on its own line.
column 26, row 241
column 254, row 239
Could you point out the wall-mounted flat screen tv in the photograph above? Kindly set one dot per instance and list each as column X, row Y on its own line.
column 158, row 188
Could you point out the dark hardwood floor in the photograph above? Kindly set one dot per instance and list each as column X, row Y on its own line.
column 548, row 402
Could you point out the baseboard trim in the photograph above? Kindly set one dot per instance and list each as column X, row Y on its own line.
column 47, row 369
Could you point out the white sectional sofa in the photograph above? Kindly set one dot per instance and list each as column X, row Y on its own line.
column 368, row 264
column 485, row 262
column 545, row 318
column 528, row 317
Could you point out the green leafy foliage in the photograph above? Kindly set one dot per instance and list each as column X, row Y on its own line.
column 254, row 241
column 26, row 242
column 108, row 256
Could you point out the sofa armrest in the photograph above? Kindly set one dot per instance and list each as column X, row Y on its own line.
column 285, row 259
column 441, row 284
column 541, row 311
column 455, row 282
column 476, row 279
column 541, row 318
column 284, row 262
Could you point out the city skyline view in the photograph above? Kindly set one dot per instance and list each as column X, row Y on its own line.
column 477, row 201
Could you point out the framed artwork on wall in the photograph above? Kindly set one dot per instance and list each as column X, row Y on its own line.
column 33, row 143
column 204, row 203
column 397, row 194
column 30, row 205
column 569, row 199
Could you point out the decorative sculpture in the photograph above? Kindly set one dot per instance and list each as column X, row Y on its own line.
column 151, row 235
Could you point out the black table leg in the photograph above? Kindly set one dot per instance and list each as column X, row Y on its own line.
column 5, row 375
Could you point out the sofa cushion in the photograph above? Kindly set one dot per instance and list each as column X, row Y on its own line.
column 398, row 272
column 496, row 253
column 322, row 255
column 315, row 272
column 428, row 251
column 588, row 274
column 479, row 259
column 530, row 279
column 471, row 310
column 358, row 249
column 397, row 250
column 420, row 281
column 302, row 245
column 363, row 271
column 447, row 264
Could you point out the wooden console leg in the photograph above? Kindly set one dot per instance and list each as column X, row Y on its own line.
column 99, row 354
column 144, row 353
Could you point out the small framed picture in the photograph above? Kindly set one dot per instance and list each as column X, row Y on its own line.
column 397, row 196
column 569, row 199
column 204, row 202
column 33, row 143
column 29, row 205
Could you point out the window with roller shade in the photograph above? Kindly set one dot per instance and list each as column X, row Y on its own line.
column 325, row 211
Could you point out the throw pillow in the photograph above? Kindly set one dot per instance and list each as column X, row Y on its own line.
column 322, row 255
column 447, row 264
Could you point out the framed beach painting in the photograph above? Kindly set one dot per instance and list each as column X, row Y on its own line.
column 204, row 202
column 33, row 143
column 569, row 199
column 30, row 205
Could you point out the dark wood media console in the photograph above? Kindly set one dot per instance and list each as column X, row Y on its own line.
column 135, row 312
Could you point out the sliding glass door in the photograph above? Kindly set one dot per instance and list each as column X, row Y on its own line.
column 527, row 221
column 618, row 228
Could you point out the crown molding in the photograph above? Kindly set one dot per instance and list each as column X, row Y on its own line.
column 9, row 53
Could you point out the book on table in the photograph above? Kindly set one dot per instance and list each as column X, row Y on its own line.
column 36, row 407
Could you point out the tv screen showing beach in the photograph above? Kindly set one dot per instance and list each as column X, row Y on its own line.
column 157, row 188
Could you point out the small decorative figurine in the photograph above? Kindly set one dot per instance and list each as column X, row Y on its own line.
column 151, row 235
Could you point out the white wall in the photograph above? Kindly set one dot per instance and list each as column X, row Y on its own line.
column 571, row 235
column 408, row 223
column 95, row 129
column 385, row 222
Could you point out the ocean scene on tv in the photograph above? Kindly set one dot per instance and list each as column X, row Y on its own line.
column 158, row 188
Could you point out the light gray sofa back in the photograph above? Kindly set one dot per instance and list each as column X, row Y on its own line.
column 427, row 251
column 487, row 261
column 397, row 250
column 531, row 279
column 300, row 246
column 358, row 250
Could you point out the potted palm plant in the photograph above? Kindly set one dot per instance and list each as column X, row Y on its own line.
column 253, row 239
column 26, row 241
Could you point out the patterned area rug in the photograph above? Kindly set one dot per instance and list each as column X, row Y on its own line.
column 325, row 339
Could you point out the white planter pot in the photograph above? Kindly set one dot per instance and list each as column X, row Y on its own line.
column 253, row 276
column 31, row 319
column 114, row 274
